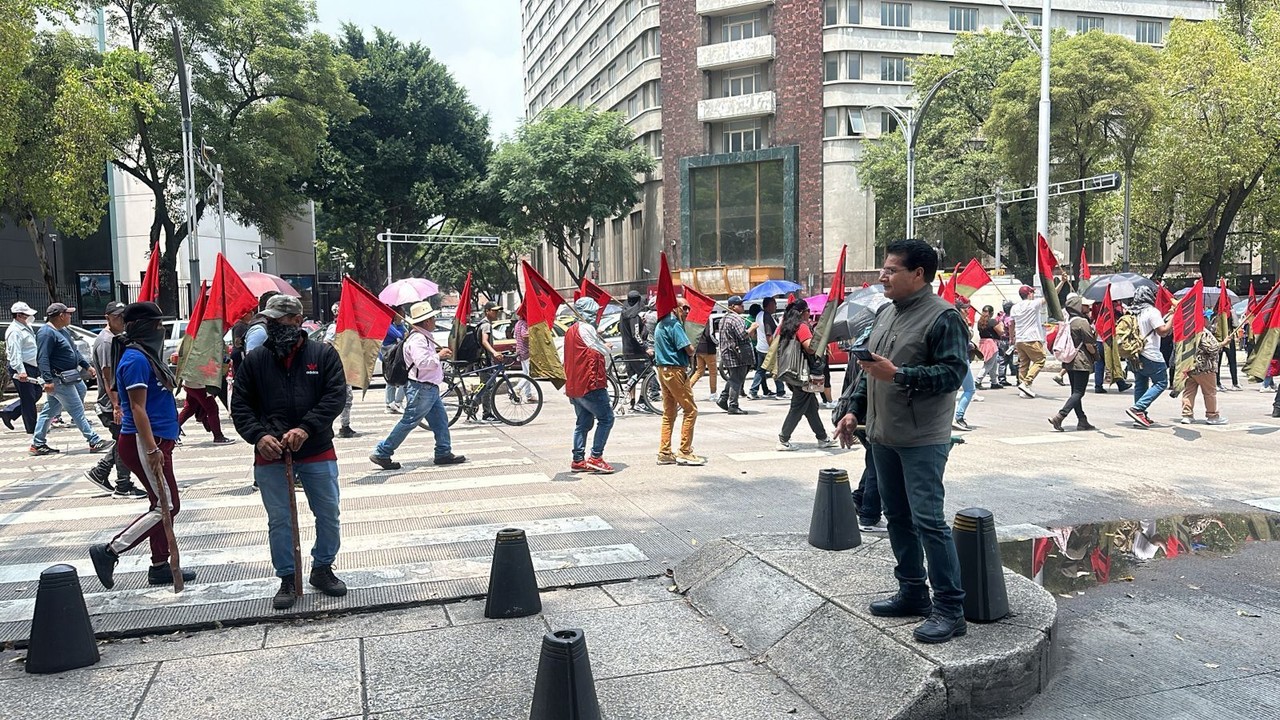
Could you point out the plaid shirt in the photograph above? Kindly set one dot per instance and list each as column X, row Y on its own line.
column 733, row 340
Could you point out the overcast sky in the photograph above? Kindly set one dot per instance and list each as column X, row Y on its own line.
column 479, row 40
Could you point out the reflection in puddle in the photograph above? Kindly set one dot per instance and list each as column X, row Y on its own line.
column 1074, row 558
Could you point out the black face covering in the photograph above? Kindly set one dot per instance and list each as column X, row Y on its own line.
column 282, row 338
column 147, row 333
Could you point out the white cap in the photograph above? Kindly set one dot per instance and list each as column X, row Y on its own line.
column 21, row 308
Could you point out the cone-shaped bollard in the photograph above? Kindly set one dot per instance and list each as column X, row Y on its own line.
column 834, row 524
column 61, row 634
column 513, row 588
column 565, row 688
column 981, row 572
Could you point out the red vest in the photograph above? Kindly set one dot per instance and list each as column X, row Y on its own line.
column 584, row 368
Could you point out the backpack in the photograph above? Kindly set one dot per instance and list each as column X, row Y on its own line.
column 1129, row 339
column 470, row 349
column 1064, row 346
column 395, row 369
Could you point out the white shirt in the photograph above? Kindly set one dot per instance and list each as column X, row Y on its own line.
column 20, row 346
column 1148, row 320
column 1026, row 320
column 762, row 338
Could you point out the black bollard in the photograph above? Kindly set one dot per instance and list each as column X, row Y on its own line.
column 981, row 572
column 565, row 688
column 834, row 524
column 513, row 588
column 61, row 634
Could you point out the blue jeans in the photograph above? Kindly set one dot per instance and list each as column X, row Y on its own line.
column 759, row 379
column 320, row 483
column 966, row 396
column 70, row 397
column 421, row 401
column 395, row 393
column 911, row 489
column 867, row 497
column 1149, row 380
column 592, row 408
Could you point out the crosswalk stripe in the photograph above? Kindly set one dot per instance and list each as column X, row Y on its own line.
column 28, row 572
column 780, row 455
column 154, row 598
column 1046, row 438
column 129, row 509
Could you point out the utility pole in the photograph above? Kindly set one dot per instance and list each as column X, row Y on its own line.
column 1042, row 169
column 910, row 123
column 188, row 161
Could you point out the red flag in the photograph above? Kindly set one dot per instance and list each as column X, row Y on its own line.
column 1267, row 312
column 1165, row 300
column 1085, row 274
column 1045, row 260
column 666, row 290
column 947, row 289
column 700, row 307
column 1106, row 324
column 461, row 315
column 229, row 300
column 361, row 325
column 836, row 293
column 866, row 284
column 1253, row 299
column 150, row 290
column 197, row 312
column 972, row 278
column 540, row 298
column 1188, row 316
column 1222, row 312
column 595, row 292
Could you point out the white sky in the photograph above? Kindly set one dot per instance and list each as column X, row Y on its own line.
column 478, row 40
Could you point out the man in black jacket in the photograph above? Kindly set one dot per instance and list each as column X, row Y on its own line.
column 286, row 396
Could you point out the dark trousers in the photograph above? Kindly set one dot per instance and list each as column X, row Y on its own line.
column 803, row 404
column 28, row 395
column 1229, row 351
column 867, row 497
column 200, row 404
column 1079, row 384
column 733, row 387
column 910, row 480
column 1275, row 404
column 761, row 376
column 113, row 458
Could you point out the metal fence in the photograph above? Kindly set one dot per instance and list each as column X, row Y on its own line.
column 35, row 294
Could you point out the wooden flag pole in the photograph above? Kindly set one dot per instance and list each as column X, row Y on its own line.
column 293, row 523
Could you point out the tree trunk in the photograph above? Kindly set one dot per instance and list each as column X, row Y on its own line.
column 37, row 233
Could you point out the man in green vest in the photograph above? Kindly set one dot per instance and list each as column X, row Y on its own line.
column 919, row 357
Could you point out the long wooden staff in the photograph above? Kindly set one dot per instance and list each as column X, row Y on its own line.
column 166, row 519
column 293, row 523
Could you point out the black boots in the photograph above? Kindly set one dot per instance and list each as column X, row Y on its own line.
column 900, row 606
column 163, row 575
column 285, row 597
column 940, row 628
column 104, row 564
column 323, row 579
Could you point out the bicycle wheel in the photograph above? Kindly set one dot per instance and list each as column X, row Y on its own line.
column 617, row 396
column 651, row 392
column 452, row 401
column 509, row 399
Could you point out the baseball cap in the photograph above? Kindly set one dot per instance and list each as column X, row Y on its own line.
column 21, row 308
column 492, row 306
column 734, row 300
column 115, row 308
column 1025, row 291
column 57, row 309
column 134, row 312
column 420, row 312
column 281, row 305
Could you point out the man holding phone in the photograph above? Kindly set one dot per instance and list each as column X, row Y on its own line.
column 913, row 363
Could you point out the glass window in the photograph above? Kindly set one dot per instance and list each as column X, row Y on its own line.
column 964, row 19
column 1085, row 23
column 888, row 122
column 1030, row 19
column 741, row 136
column 1150, row 32
column 831, row 67
column 831, row 13
column 742, row 81
column 831, row 122
column 853, row 12
column 893, row 69
column 895, row 14
column 843, row 122
column 857, row 124
column 736, row 214
column 633, row 106
column 849, row 63
column 742, row 27
column 853, row 65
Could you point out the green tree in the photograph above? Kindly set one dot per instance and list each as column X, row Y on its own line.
column 414, row 162
column 264, row 87
column 72, row 104
column 568, row 167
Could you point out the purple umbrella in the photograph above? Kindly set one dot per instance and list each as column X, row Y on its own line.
column 408, row 291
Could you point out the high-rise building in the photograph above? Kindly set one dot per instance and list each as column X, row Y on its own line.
column 757, row 110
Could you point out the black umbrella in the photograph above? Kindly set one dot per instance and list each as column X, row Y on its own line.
column 1122, row 286
column 857, row 313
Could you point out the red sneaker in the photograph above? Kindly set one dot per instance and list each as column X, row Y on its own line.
column 579, row 466
column 598, row 465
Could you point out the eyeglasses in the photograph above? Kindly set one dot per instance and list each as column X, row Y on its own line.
column 891, row 271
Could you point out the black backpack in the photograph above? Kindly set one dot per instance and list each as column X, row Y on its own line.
column 395, row 369
column 470, row 349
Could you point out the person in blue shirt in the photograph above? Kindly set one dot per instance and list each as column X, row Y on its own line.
column 671, row 353
column 148, row 434
column 60, row 367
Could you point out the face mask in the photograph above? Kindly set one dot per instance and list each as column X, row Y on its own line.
column 282, row 338
column 149, row 335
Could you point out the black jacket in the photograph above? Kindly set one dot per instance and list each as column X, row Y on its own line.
column 269, row 399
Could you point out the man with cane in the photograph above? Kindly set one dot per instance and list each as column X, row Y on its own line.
column 148, row 433
column 286, row 396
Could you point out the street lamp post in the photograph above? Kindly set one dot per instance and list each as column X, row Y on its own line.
column 1042, row 168
column 910, row 124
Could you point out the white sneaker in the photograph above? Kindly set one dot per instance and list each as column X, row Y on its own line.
column 826, row 443
column 879, row 527
column 1266, row 389
column 978, row 398
column 393, row 409
column 1217, row 421
column 784, row 446
column 1026, row 392
column 1186, row 420
column 713, row 397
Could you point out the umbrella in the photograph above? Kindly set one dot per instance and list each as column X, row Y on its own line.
column 857, row 314
column 816, row 303
column 407, row 291
column 1210, row 296
column 1240, row 309
column 1122, row 286
column 771, row 288
column 261, row 283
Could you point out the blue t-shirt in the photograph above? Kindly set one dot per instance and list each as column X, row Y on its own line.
column 669, row 342
column 134, row 371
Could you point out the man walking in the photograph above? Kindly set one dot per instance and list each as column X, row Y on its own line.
column 1150, row 372
column 735, row 349
column 60, row 366
column 287, row 394
column 763, row 326
column 586, row 384
column 21, row 349
column 331, row 332
column 422, row 399
column 110, row 409
column 671, row 353
column 906, row 394
column 1029, row 338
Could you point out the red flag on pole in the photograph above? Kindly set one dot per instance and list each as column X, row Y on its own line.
column 150, row 290
column 595, row 292
column 1188, row 316
column 540, row 303
column 836, row 293
column 1253, row 299
column 197, row 312
column 229, row 300
column 947, row 289
column 1165, row 300
column 362, row 324
column 700, row 307
column 1085, row 274
column 972, row 278
column 835, row 296
column 666, row 290
column 461, row 315
column 1045, row 260
column 1106, row 324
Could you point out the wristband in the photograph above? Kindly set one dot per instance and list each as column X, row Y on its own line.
column 154, row 451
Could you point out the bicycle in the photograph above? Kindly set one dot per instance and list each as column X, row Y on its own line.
column 499, row 392
column 622, row 382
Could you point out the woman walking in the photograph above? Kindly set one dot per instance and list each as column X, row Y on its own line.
column 795, row 329
column 1081, row 366
column 990, row 333
column 968, row 387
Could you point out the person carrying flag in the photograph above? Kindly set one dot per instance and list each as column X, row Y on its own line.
column 672, row 352
column 586, row 384
column 1150, row 372
column 1203, row 376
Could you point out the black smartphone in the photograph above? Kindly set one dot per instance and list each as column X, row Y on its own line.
column 861, row 353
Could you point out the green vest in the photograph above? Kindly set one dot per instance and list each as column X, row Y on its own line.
column 896, row 415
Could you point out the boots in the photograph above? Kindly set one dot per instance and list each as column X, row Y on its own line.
column 1056, row 422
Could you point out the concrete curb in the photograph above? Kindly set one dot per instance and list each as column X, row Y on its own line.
column 803, row 612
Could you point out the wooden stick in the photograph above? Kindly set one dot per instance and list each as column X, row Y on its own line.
column 166, row 519
column 293, row 524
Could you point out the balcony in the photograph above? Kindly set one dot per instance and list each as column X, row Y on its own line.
column 726, row 7
column 736, row 53
column 740, row 107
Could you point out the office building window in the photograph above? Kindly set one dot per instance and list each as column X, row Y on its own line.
column 888, row 122
column 1085, row 23
column 1150, row 32
column 1030, row 19
column 895, row 14
column 841, row 66
column 633, row 106
column 741, row 136
column 612, row 73
column 893, row 69
column 742, row 81
column 853, row 65
column 736, row 214
column 843, row 122
column 741, row 26
column 837, row 12
column 964, row 19
column 831, row 67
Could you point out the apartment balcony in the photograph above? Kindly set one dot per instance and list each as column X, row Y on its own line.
column 740, row 107
column 728, row 7
column 736, row 53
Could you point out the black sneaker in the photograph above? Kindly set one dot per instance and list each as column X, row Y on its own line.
column 450, row 459
column 940, row 628
column 39, row 450
column 104, row 564
column 223, row 441
column 99, row 480
column 101, row 446
column 323, row 579
column 129, row 491
column 285, row 597
column 347, row 432
column 163, row 575
column 1123, row 386
column 1100, row 390
column 899, row 606
column 385, row 463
